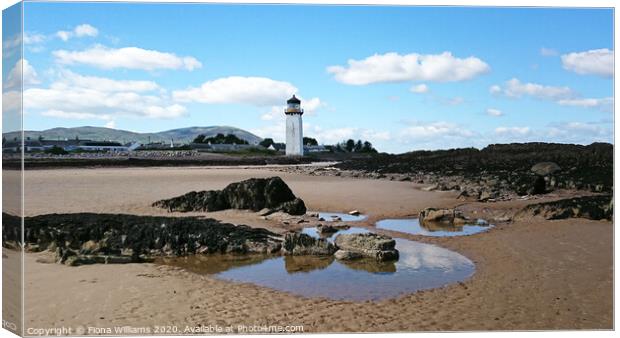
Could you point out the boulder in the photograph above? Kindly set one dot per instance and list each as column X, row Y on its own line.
column 254, row 194
column 545, row 168
column 301, row 244
column 432, row 218
column 379, row 247
column 326, row 229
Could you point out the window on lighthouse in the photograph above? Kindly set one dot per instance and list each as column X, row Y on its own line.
column 294, row 106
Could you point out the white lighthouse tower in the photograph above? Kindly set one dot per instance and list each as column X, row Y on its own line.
column 294, row 127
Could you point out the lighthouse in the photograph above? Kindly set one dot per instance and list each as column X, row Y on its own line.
column 294, row 128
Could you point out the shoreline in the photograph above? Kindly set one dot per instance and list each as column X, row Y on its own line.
column 530, row 274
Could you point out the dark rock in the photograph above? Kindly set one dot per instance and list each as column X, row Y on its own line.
column 432, row 216
column 379, row 247
column 301, row 244
column 545, row 168
column 326, row 229
column 508, row 165
column 253, row 194
column 591, row 207
column 88, row 235
column 540, row 186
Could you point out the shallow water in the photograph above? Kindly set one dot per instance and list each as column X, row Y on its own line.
column 413, row 226
column 421, row 266
column 332, row 216
column 331, row 236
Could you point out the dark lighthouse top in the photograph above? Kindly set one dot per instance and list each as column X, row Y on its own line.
column 293, row 106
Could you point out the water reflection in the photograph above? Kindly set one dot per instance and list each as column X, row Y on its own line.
column 413, row 226
column 294, row 264
column 336, row 217
column 421, row 266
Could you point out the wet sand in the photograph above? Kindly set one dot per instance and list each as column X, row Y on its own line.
column 531, row 274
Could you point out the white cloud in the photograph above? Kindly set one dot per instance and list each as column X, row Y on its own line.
column 33, row 38
column 548, row 52
column 79, row 31
column 85, row 30
column 310, row 107
column 605, row 104
column 433, row 135
column 512, row 131
column 393, row 67
column 494, row 112
column 419, row 89
column 127, row 57
column 64, row 35
column 592, row 62
column 515, row 88
column 425, row 130
column 563, row 96
column 74, row 115
column 323, row 136
column 254, row 91
column 335, row 135
column 110, row 124
column 581, row 132
column 71, row 79
column 22, row 71
column 11, row 101
column 73, row 96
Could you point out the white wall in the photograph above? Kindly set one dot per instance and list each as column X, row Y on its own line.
column 294, row 135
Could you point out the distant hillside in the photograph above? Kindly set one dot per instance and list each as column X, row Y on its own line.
column 100, row 134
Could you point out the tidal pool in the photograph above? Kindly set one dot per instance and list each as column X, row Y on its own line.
column 333, row 216
column 413, row 226
column 420, row 266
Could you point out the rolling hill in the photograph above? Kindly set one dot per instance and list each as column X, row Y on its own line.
column 101, row 134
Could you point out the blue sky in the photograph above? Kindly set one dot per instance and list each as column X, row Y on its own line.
column 404, row 78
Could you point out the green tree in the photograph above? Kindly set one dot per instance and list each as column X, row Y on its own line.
column 350, row 145
column 199, row 139
column 309, row 141
column 266, row 142
column 358, row 146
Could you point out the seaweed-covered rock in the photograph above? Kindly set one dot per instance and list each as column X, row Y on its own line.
column 89, row 236
column 253, row 194
column 591, row 207
column 506, row 169
column 545, row 168
column 301, row 244
column 379, row 247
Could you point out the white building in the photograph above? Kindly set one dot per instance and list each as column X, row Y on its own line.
column 294, row 127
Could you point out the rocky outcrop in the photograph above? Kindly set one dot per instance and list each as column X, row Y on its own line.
column 100, row 238
column 496, row 172
column 450, row 217
column 297, row 244
column 591, row 207
column 381, row 248
column 253, row 194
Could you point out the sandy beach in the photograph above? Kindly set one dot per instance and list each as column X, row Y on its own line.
column 530, row 275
